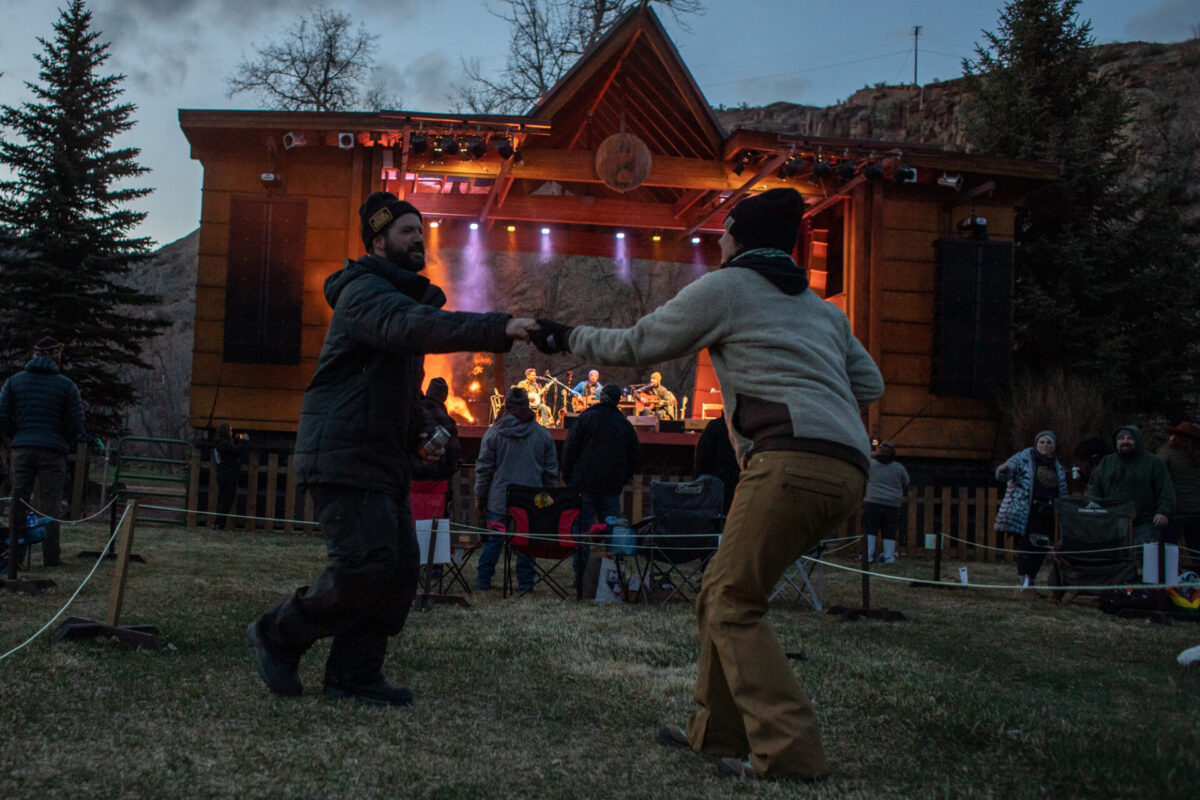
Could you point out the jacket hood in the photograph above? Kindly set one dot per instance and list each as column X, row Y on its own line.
column 774, row 265
column 514, row 428
column 415, row 286
column 1137, row 437
column 42, row 364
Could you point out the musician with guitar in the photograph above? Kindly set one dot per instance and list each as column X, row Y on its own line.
column 586, row 393
column 656, row 399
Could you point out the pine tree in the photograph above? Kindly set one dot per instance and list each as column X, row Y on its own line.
column 1093, row 293
column 67, row 253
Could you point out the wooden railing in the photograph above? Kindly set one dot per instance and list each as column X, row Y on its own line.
column 271, row 502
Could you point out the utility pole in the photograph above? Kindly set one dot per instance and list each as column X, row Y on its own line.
column 916, row 35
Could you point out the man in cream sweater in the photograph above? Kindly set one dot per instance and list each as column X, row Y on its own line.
column 794, row 380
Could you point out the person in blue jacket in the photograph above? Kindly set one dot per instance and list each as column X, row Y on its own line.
column 1035, row 481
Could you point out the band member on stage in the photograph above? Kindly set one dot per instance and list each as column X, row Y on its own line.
column 541, row 411
column 591, row 387
column 667, row 406
column 531, row 383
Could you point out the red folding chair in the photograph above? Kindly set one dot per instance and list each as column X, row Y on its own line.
column 541, row 524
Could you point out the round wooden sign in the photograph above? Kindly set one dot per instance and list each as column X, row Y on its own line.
column 622, row 162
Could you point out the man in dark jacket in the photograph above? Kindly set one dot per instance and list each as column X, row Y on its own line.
column 715, row 456
column 41, row 414
column 515, row 451
column 1133, row 474
column 600, row 456
column 446, row 466
column 228, row 453
column 360, row 422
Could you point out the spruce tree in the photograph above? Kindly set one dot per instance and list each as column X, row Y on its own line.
column 1102, row 264
column 67, row 253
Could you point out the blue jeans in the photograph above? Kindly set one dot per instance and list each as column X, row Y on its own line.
column 593, row 508
column 489, row 555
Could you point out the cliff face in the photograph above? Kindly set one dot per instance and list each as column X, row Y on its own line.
column 1153, row 75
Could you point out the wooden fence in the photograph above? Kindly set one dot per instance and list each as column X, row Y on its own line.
column 270, row 502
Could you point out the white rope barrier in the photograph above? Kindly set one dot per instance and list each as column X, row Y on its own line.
column 71, row 599
column 88, row 518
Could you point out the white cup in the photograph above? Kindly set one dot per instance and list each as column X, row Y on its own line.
column 962, row 575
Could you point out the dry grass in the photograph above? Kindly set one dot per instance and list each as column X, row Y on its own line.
column 974, row 696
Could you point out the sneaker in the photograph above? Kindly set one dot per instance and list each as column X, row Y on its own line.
column 736, row 768
column 375, row 694
column 673, row 736
column 277, row 673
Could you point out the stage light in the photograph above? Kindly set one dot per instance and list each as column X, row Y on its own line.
column 904, row 174
column 475, row 147
column 656, row 237
column 788, row 168
column 545, row 231
column 417, row 143
column 873, row 171
column 821, row 170
column 695, row 240
column 474, row 226
column 504, row 148
column 620, row 234
column 511, row 229
column 448, row 145
column 950, row 181
column 292, row 139
column 739, row 163
column 345, row 141
column 434, row 224
column 846, row 169
column 271, row 181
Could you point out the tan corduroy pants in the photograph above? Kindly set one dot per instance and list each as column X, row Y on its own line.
column 751, row 702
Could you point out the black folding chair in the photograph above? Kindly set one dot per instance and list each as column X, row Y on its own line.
column 541, row 524
column 676, row 542
column 1093, row 544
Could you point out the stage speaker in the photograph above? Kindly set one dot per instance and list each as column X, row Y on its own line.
column 569, row 421
column 670, row 426
column 972, row 317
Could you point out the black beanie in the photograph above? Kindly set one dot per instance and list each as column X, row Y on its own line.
column 438, row 390
column 380, row 210
column 516, row 398
column 610, row 394
column 770, row 219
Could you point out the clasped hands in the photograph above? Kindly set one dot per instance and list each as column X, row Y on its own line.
column 546, row 335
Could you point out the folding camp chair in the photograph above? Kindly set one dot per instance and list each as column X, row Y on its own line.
column 540, row 526
column 1093, row 544
column 799, row 577
column 676, row 542
column 428, row 501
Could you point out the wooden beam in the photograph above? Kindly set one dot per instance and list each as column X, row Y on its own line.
column 604, row 89
column 769, row 167
column 689, row 199
column 501, row 180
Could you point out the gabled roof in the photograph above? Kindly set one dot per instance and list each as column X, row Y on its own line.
column 633, row 76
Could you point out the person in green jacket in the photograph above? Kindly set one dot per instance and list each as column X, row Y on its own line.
column 1135, row 475
column 1181, row 455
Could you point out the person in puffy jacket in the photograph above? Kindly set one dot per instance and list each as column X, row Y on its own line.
column 42, row 416
column 1035, row 481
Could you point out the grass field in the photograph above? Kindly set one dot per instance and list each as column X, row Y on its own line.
column 973, row 696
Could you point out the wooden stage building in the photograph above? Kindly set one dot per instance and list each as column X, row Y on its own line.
column 596, row 206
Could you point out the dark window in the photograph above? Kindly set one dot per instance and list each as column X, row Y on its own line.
column 972, row 319
column 265, row 280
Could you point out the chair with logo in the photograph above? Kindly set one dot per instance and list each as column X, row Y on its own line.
column 541, row 522
column 676, row 542
column 1093, row 545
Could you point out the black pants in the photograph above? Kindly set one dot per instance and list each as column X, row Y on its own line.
column 365, row 592
column 227, row 490
column 49, row 468
column 1029, row 555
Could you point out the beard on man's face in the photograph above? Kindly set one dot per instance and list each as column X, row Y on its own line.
column 410, row 258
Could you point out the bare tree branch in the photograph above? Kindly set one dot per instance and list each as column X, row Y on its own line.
column 320, row 64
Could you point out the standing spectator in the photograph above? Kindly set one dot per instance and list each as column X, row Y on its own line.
column 600, row 456
column 515, row 451
column 715, row 456
column 41, row 414
column 1035, row 481
column 1133, row 474
column 795, row 380
column 360, row 422
column 446, row 466
column 228, row 453
column 886, row 484
column 1181, row 455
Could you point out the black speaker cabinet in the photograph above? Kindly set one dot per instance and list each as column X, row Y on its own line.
column 972, row 317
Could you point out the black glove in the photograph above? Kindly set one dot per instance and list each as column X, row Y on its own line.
column 551, row 337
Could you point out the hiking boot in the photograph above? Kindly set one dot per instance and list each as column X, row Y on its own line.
column 279, row 674
column 736, row 768
column 673, row 736
column 381, row 693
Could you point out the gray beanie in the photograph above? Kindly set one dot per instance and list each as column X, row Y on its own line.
column 1053, row 438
